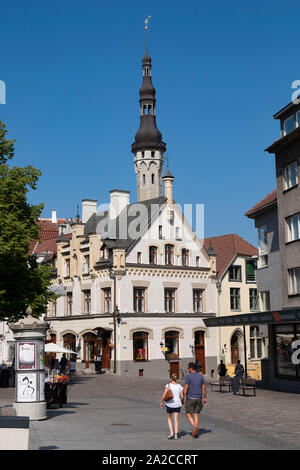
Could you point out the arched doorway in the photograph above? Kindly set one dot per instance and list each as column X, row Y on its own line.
column 200, row 350
column 103, row 341
column 69, row 341
column 89, row 346
column 236, row 346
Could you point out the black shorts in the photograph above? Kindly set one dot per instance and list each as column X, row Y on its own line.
column 173, row 410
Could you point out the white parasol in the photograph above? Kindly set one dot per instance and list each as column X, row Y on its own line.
column 55, row 348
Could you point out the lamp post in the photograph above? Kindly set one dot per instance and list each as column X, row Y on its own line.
column 116, row 318
column 219, row 288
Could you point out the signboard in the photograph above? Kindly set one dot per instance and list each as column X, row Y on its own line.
column 255, row 318
column 164, row 349
column 26, row 387
column 26, row 356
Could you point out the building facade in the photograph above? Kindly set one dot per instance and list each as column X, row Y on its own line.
column 137, row 281
column 236, row 261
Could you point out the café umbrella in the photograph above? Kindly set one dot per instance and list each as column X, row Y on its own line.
column 55, row 348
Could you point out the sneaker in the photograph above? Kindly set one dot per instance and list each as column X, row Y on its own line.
column 170, row 436
column 195, row 431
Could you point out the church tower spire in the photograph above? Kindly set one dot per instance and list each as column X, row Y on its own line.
column 148, row 147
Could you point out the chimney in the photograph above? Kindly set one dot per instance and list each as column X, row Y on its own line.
column 89, row 207
column 53, row 217
column 118, row 200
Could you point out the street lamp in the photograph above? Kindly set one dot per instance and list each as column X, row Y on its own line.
column 116, row 317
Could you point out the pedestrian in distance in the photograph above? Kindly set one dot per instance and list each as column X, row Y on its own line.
column 222, row 371
column 194, row 390
column 173, row 406
column 239, row 370
column 72, row 367
column 63, row 363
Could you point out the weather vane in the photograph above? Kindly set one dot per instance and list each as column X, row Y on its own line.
column 147, row 21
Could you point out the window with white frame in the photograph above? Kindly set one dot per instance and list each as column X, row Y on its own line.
column 265, row 301
column 69, row 303
column 86, row 264
column 139, row 299
column 253, row 299
column 293, row 227
column 170, row 300
column 197, row 300
column 256, row 343
column 289, row 124
column 294, row 281
column 107, row 299
column 262, row 246
column 67, row 268
column 87, row 301
column 290, row 177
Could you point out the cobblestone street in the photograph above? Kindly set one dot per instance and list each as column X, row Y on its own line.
column 112, row 412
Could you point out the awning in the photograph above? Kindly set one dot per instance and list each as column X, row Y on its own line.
column 55, row 348
column 259, row 318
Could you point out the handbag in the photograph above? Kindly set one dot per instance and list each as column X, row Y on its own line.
column 168, row 395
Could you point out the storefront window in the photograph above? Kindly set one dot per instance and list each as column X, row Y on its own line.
column 285, row 335
column 140, row 346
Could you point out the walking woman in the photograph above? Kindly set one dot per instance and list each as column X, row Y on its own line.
column 173, row 406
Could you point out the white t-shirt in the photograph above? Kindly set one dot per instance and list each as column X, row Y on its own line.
column 175, row 402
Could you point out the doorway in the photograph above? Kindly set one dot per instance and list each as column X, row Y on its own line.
column 174, row 369
column 235, row 354
column 200, row 350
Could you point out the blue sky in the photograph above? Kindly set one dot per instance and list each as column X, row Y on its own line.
column 221, row 70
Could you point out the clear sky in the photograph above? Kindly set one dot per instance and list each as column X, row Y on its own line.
column 221, row 70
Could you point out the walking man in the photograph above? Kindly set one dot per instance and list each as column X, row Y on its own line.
column 222, row 371
column 194, row 390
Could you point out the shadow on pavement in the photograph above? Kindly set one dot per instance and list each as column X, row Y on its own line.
column 201, row 432
column 55, row 412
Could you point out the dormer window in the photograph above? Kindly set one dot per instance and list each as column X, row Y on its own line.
column 289, row 125
column 290, row 177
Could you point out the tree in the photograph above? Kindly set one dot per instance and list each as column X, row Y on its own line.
column 23, row 281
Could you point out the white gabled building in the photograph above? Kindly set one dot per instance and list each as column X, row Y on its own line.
column 143, row 260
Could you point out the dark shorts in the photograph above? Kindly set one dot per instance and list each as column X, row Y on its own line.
column 172, row 410
column 193, row 405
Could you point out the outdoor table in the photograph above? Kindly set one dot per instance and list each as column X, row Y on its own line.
column 56, row 393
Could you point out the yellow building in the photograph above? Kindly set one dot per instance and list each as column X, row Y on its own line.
column 237, row 294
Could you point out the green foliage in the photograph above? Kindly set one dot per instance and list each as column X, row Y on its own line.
column 23, row 281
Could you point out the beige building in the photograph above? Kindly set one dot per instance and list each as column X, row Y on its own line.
column 237, row 294
column 136, row 278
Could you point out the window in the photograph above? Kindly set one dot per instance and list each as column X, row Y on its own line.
column 67, row 268
column 143, row 154
column 139, row 257
column 265, row 301
column 197, row 261
column 87, row 301
column 144, row 179
column 169, row 255
column 139, row 300
column 86, row 265
column 253, row 299
column 256, row 343
column 290, row 177
column 54, row 308
column 177, row 233
column 170, row 300
column 263, row 246
column 107, row 300
column 185, row 257
column 197, row 300
column 172, row 343
column 235, row 273
column 289, row 125
column 294, row 281
column 235, row 301
column 250, row 270
column 104, row 252
column 293, row 227
column 284, row 336
column 140, row 346
column 152, row 153
column 160, row 231
column 69, row 303
column 152, row 255
column 152, row 178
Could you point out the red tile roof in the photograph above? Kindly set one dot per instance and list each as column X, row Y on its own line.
column 226, row 247
column 48, row 234
column 266, row 201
